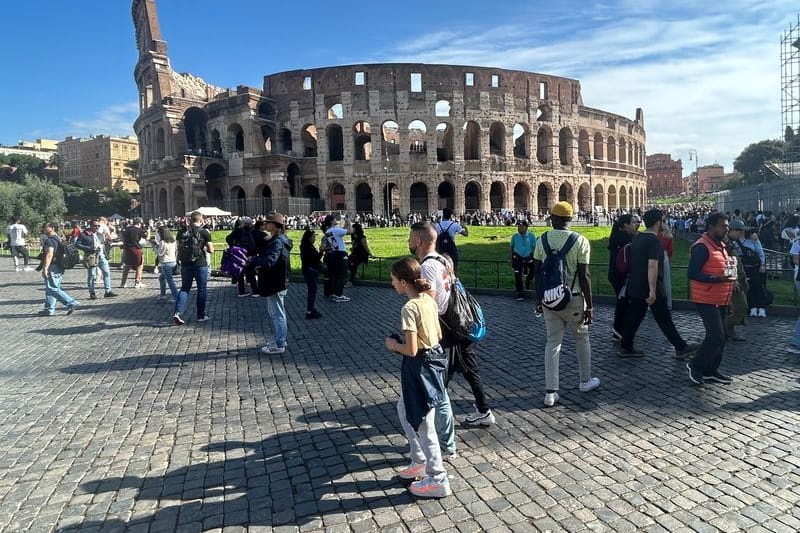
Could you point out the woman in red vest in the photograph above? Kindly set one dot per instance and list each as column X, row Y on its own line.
column 711, row 283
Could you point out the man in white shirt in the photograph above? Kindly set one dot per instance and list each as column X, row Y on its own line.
column 16, row 238
column 335, row 258
column 448, row 229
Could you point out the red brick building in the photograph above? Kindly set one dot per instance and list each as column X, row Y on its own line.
column 664, row 175
column 711, row 178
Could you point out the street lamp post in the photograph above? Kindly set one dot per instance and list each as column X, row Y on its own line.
column 696, row 184
column 587, row 163
column 387, row 191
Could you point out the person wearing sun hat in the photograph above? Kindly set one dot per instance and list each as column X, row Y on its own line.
column 577, row 315
column 273, row 279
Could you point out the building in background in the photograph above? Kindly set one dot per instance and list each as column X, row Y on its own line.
column 664, row 176
column 41, row 148
column 99, row 162
column 711, row 178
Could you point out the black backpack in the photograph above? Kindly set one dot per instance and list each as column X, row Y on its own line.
column 444, row 242
column 191, row 246
column 66, row 255
column 552, row 285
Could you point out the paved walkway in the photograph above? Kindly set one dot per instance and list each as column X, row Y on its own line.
column 113, row 419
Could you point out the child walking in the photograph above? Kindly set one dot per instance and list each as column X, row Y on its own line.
column 421, row 378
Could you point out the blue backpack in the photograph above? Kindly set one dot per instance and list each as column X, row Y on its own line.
column 552, row 285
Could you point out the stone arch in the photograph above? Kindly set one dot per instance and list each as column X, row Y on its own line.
column 216, row 143
column 264, row 195
column 598, row 146
column 308, row 136
column 444, row 142
column 565, row 193
column 623, row 197
column 584, row 198
column 612, row 149
column 611, row 123
column 162, row 202
column 293, row 178
column 544, row 113
column 612, row 197
column 363, row 198
column 362, row 141
column 214, row 171
column 336, row 111
column 583, row 145
column 195, row 121
column 521, row 139
column 442, row 108
column 598, row 194
column 630, row 198
column 268, row 138
column 161, row 146
column 286, row 141
column 472, row 141
column 565, row 146
column 447, row 195
column 497, row 139
column 335, row 142
column 544, row 144
column 337, row 197
column 417, row 136
column 236, row 137
column 472, row 196
column 418, row 197
column 497, row 195
column 239, row 199
column 178, row 201
column 311, row 191
column 623, row 152
column 544, row 200
column 267, row 110
column 522, row 194
column 390, row 138
column 391, row 196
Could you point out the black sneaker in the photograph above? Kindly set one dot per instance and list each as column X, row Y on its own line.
column 717, row 377
column 92, row 296
column 690, row 349
column 310, row 315
column 623, row 352
column 520, row 297
column 694, row 375
column 110, row 294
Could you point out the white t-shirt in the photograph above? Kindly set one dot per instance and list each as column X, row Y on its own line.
column 435, row 272
column 17, row 234
column 338, row 233
column 795, row 249
column 450, row 226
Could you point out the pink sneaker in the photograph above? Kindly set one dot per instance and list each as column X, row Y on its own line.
column 430, row 488
column 413, row 471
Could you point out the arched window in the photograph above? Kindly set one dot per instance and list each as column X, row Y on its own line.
column 309, row 138
column 472, row 141
column 583, row 145
column 565, row 146
column 497, row 139
column 335, row 111
column 362, row 141
column 521, row 141
column 544, row 145
column 417, row 131
column 236, row 137
column 612, row 149
column 444, row 142
column 442, row 108
column 335, row 142
column 598, row 146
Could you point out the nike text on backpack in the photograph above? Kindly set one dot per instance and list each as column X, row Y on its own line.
column 444, row 241
column 234, row 261
column 553, row 287
column 192, row 246
column 464, row 316
column 622, row 262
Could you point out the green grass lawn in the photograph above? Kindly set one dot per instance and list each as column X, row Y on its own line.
column 485, row 258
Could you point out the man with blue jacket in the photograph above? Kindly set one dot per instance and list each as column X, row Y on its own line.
column 522, row 245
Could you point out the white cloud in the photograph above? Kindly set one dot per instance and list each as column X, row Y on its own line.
column 706, row 78
column 115, row 119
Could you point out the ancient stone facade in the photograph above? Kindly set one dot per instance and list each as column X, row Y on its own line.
column 377, row 138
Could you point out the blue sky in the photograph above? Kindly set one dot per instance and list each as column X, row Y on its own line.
column 707, row 74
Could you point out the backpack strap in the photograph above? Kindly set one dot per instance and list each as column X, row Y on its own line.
column 545, row 244
column 571, row 240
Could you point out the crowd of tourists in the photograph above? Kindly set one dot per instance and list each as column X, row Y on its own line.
column 725, row 274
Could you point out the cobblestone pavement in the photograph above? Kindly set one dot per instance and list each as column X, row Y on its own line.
column 114, row 419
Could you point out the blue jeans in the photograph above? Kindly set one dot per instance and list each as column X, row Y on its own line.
column 91, row 274
column 277, row 314
column 443, row 421
column 188, row 275
column 166, row 279
column 53, row 292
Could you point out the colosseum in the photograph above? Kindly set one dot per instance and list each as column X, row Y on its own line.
column 380, row 138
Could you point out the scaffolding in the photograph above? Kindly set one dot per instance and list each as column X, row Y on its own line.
column 790, row 98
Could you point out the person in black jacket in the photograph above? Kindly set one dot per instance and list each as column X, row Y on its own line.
column 243, row 236
column 311, row 261
column 359, row 251
column 622, row 234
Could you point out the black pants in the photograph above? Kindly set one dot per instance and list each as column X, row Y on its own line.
column 336, row 263
column 310, row 277
column 523, row 266
column 637, row 310
column 757, row 282
column 356, row 262
column 461, row 358
column 709, row 355
column 248, row 275
column 621, row 307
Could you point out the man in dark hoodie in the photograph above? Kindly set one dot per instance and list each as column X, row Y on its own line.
column 273, row 279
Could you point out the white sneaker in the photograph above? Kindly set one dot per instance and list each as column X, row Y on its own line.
column 550, row 399
column 204, row 318
column 271, row 349
column 754, row 312
column 590, row 384
column 17, row 269
column 762, row 313
column 480, row 419
column 139, row 285
column 28, row 269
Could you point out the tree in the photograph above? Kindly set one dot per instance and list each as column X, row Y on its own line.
column 131, row 168
column 25, row 164
column 34, row 201
column 752, row 158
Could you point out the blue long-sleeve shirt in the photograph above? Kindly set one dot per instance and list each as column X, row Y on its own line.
column 756, row 247
column 696, row 261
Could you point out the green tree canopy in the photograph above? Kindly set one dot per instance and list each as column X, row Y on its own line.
column 26, row 164
column 34, row 201
column 752, row 158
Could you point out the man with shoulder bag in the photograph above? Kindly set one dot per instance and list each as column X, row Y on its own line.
column 92, row 243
